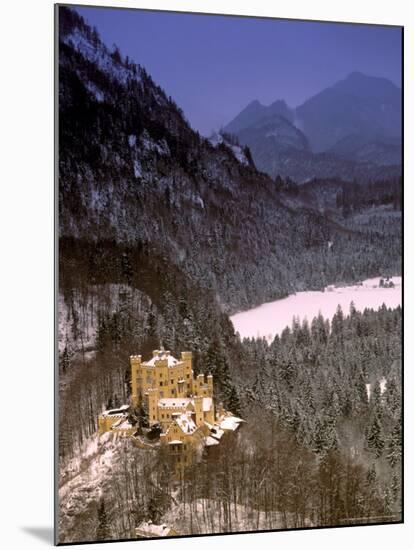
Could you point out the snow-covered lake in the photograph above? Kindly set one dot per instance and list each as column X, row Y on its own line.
column 271, row 318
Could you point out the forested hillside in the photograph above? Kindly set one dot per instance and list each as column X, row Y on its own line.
column 322, row 445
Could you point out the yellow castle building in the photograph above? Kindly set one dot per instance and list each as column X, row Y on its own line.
column 179, row 402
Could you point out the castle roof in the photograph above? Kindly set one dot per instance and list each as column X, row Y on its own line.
column 186, row 423
column 231, row 423
column 162, row 356
column 180, row 402
column 120, row 411
column 210, row 441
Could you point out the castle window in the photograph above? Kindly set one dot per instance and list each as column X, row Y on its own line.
column 188, row 376
column 172, row 381
column 161, row 383
column 162, row 416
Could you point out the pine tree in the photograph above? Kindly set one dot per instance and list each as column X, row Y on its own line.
column 232, row 401
column 375, row 438
column 372, row 475
column 65, row 359
column 394, row 445
column 103, row 531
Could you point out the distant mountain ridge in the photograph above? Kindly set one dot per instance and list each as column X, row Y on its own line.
column 255, row 111
column 351, row 129
column 132, row 173
column 361, row 105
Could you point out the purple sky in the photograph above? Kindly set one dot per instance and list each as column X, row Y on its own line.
column 213, row 66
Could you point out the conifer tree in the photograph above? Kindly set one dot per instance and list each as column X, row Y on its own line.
column 103, row 530
column 375, row 438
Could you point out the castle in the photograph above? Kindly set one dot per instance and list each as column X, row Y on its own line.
column 181, row 404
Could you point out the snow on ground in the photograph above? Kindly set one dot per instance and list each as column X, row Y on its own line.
column 382, row 384
column 92, row 447
column 100, row 300
column 205, row 516
column 237, row 150
column 272, row 318
column 83, row 479
column 98, row 54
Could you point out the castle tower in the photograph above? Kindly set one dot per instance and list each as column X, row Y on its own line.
column 210, row 384
column 152, row 406
column 136, row 379
column 198, row 405
column 187, row 359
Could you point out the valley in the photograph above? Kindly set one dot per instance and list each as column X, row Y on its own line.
column 272, row 318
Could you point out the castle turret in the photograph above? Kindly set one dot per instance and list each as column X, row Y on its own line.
column 152, row 406
column 210, row 384
column 198, row 406
column 136, row 380
column 187, row 359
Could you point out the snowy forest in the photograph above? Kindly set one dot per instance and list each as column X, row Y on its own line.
column 163, row 234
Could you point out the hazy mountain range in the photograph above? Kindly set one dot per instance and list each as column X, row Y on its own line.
column 350, row 130
column 132, row 172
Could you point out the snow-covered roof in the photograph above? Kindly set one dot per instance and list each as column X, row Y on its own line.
column 120, row 411
column 216, row 432
column 230, row 423
column 186, row 423
column 180, row 402
column 162, row 356
column 151, row 530
column 171, row 402
column 174, row 442
column 210, row 441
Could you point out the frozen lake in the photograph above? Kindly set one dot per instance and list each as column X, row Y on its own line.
column 271, row 318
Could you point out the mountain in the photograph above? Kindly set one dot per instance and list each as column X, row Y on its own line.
column 134, row 174
column 365, row 107
column 275, row 130
column 366, row 149
column 351, row 130
column 255, row 111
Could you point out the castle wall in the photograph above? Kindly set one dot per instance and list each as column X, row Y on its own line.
column 136, row 382
column 105, row 422
column 153, row 397
column 166, row 377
